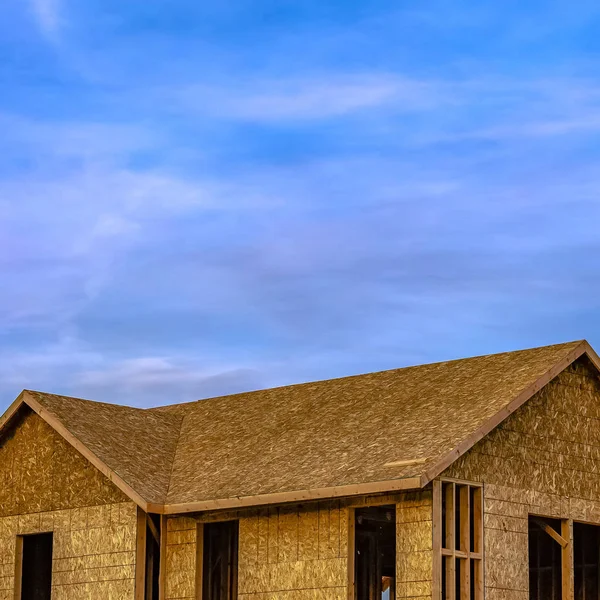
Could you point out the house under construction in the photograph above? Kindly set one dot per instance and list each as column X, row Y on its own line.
column 452, row 481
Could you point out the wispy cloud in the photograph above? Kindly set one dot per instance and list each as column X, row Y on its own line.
column 49, row 17
column 310, row 98
column 195, row 201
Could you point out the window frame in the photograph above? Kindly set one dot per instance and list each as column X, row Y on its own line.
column 468, row 551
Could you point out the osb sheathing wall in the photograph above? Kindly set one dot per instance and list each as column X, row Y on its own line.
column 414, row 546
column 543, row 460
column 294, row 553
column 284, row 552
column 46, row 485
column 301, row 552
column 180, row 560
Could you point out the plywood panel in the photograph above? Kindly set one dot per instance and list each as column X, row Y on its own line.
column 544, row 459
column 41, row 472
column 94, row 561
column 414, row 536
column 180, row 560
column 46, row 485
column 297, row 552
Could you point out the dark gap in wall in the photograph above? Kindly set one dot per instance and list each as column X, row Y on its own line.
column 220, row 564
column 586, row 543
column 36, row 580
column 375, row 561
column 545, row 569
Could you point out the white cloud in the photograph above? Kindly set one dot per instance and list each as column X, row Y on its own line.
column 71, row 367
column 311, row 97
column 48, row 16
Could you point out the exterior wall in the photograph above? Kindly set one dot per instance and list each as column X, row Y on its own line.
column 294, row 553
column 414, row 537
column 301, row 552
column 180, row 560
column 283, row 552
column 543, row 460
column 46, row 485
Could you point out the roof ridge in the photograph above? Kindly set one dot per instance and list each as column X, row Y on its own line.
column 293, row 444
column 87, row 400
column 174, row 406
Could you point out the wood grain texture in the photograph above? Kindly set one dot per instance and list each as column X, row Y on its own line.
column 137, row 445
column 181, row 560
column 47, row 486
column 307, row 441
column 414, row 545
column 304, row 552
column 93, row 551
column 543, row 460
column 140, row 554
column 329, row 433
column 40, row 471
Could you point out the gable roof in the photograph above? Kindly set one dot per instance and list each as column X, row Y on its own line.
column 369, row 433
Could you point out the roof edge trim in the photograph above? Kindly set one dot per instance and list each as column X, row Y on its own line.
column 26, row 398
column 378, row 487
column 582, row 348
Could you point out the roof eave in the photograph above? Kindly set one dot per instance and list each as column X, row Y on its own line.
column 382, row 487
column 378, row 487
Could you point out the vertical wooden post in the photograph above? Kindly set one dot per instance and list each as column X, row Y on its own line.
column 464, row 505
column 451, row 542
column 566, row 531
column 162, row 592
column 477, row 508
column 437, row 540
column 140, row 556
column 199, row 559
column 18, row 566
column 352, row 554
column 464, row 544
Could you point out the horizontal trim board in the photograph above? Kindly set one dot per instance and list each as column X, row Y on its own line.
column 409, row 483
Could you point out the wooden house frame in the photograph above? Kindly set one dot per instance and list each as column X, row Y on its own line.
column 471, row 479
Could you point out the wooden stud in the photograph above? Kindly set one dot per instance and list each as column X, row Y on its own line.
column 449, row 494
column 351, row 554
column 18, row 566
column 455, row 557
column 463, row 511
column 477, row 508
column 479, row 581
column 199, row 559
column 450, row 567
column 437, row 540
column 234, row 560
column 566, row 529
column 140, row 556
column 162, row 574
column 465, row 578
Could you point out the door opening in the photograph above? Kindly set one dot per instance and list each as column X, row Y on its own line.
column 375, row 547
column 36, row 566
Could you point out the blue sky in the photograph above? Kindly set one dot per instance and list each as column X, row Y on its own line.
column 200, row 198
